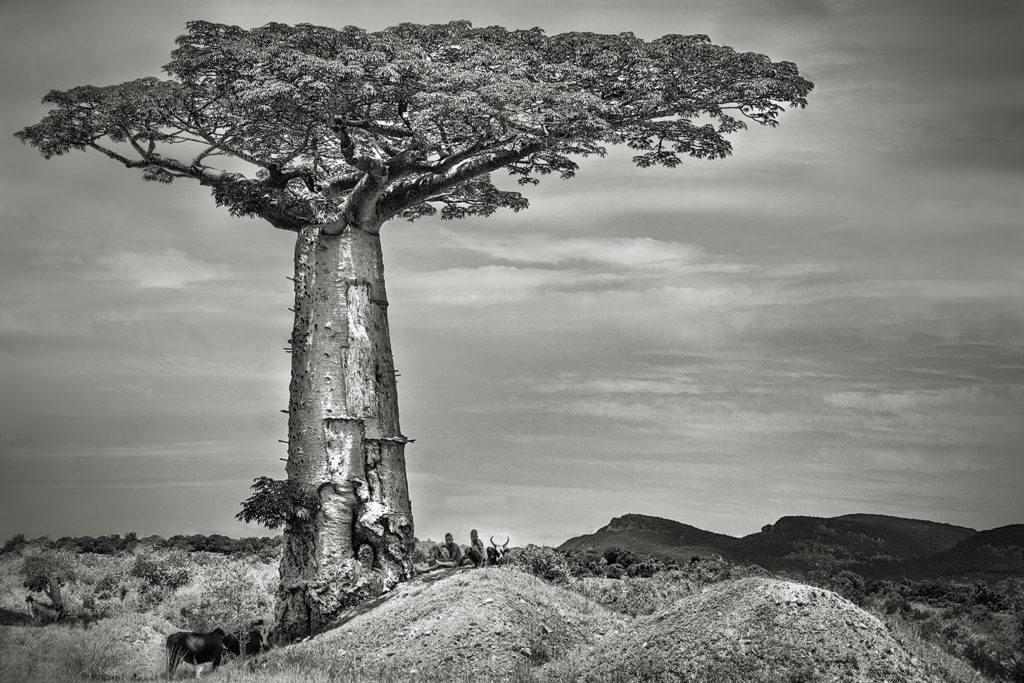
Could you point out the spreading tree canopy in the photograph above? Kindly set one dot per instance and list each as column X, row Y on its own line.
column 340, row 125
column 330, row 133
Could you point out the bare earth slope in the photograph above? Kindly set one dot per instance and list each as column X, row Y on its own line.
column 500, row 624
column 470, row 624
column 755, row 629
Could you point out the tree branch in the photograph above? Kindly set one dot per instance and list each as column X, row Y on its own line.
column 402, row 196
column 443, row 164
column 114, row 155
column 337, row 188
column 348, row 151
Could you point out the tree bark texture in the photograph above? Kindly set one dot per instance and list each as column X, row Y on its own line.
column 344, row 439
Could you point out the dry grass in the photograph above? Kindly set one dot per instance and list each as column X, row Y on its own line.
column 137, row 604
column 123, row 647
column 939, row 665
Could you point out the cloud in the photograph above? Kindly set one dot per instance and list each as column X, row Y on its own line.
column 578, row 277
column 654, row 384
column 537, row 248
column 793, row 330
column 488, row 285
column 166, row 269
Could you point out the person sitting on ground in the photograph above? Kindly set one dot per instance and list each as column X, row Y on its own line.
column 476, row 553
column 432, row 558
column 445, row 555
column 453, row 550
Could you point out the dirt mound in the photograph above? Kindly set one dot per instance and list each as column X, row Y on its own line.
column 466, row 625
column 500, row 624
column 754, row 629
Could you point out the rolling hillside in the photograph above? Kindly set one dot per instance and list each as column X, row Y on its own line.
column 988, row 554
column 868, row 544
column 877, row 546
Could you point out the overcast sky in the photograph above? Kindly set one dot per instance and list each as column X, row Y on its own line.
column 830, row 321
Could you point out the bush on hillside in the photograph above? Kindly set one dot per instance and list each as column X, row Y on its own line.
column 587, row 562
column 100, row 545
column 267, row 548
column 14, row 544
column 543, row 562
column 612, row 563
column 168, row 571
column 846, row 583
column 228, row 596
column 645, row 568
column 970, row 621
column 46, row 573
column 38, row 569
column 623, row 558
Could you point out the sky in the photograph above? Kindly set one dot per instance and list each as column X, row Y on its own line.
column 830, row 321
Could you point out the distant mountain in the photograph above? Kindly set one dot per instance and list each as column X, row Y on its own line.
column 876, row 546
column 868, row 544
column 988, row 554
column 653, row 536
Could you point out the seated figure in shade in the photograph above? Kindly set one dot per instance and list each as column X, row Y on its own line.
column 447, row 555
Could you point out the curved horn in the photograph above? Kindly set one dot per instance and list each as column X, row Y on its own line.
column 507, row 539
column 493, row 543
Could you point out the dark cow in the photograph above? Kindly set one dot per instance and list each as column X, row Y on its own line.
column 199, row 648
column 496, row 553
column 256, row 639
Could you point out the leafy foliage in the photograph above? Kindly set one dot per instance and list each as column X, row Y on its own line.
column 357, row 126
column 976, row 622
column 160, row 571
column 229, row 600
column 615, row 563
column 276, row 503
column 39, row 570
column 101, row 545
column 14, row 544
column 543, row 562
column 265, row 547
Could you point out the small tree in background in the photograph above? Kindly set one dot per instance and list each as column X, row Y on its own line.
column 231, row 601
column 46, row 573
column 329, row 133
column 14, row 544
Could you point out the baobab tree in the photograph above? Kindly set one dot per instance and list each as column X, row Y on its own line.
column 330, row 133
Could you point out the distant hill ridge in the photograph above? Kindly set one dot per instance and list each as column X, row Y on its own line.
column 995, row 552
column 873, row 545
column 653, row 536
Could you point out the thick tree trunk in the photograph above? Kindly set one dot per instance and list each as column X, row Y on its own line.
column 344, row 440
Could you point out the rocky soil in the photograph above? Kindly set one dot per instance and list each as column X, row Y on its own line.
column 483, row 623
column 759, row 629
column 497, row 624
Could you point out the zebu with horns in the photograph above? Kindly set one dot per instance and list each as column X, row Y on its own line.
column 496, row 553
